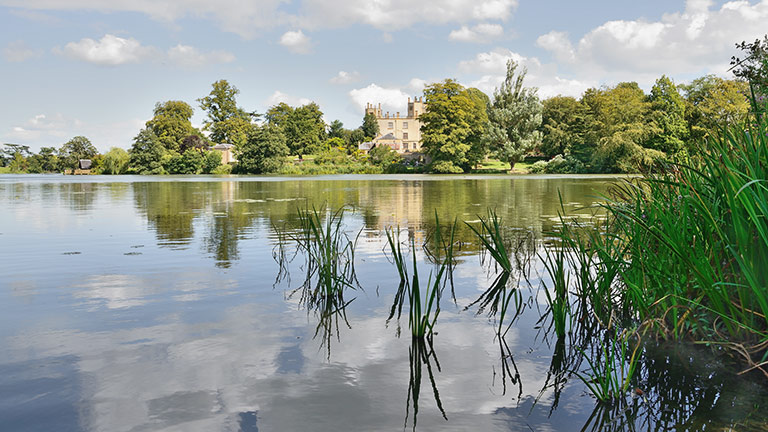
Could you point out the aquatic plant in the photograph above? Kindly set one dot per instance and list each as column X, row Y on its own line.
column 612, row 368
column 420, row 354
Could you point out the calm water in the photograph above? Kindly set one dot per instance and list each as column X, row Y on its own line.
column 150, row 304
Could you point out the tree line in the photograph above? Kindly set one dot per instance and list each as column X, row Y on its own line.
column 611, row 129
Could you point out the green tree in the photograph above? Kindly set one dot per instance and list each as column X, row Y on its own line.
column 303, row 127
column 45, row 161
column 75, row 149
column 563, row 124
column 227, row 123
column 211, row 161
column 453, row 126
column 370, row 126
column 514, row 118
column 383, row 155
column 264, row 152
column 753, row 66
column 171, row 124
column 712, row 103
column 336, row 129
column 146, row 154
column 190, row 162
column 116, row 161
column 668, row 116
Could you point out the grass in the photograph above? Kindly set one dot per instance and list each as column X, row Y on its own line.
column 5, row 170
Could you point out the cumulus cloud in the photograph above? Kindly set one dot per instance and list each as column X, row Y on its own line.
column 249, row 18
column 18, row 51
column 344, row 77
column 112, row 50
column 185, row 55
column 484, row 32
column 42, row 126
column 296, row 41
column 698, row 40
column 280, row 97
column 391, row 99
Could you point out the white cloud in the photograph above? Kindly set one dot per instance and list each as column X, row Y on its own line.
column 558, row 44
column 112, row 50
column 249, row 18
column 109, row 50
column 40, row 127
column 494, row 62
column 480, row 33
column 18, row 51
column 278, row 97
column 391, row 99
column 344, row 77
column 296, row 41
column 185, row 55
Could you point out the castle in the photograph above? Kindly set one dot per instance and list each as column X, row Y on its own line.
column 403, row 134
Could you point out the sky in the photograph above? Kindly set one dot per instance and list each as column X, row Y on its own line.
column 97, row 68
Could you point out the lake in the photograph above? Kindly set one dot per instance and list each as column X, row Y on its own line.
column 154, row 304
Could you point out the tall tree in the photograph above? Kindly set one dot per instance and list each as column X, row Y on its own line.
column 264, row 152
column 668, row 117
column 370, row 126
column 171, row 123
column 336, row 129
column 753, row 65
column 146, row 153
column 563, row 124
column 303, row 127
column 227, row 123
column 514, row 117
column 712, row 103
column 75, row 149
column 453, row 126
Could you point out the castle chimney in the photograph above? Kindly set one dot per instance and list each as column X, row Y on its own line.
column 398, row 114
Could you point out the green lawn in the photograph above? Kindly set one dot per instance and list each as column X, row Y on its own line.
column 5, row 170
column 494, row 166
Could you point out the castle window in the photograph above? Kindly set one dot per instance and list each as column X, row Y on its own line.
column 390, row 125
column 405, row 125
column 405, row 135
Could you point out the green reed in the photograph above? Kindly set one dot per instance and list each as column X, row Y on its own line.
column 611, row 369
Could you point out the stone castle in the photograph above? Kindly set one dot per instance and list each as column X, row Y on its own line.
column 403, row 134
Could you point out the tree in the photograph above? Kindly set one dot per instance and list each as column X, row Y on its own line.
column 563, row 125
column 753, row 68
column 190, row 162
column 302, row 127
column 116, row 161
column 211, row 161
column 453, row 125
column 336, row 129
column 75, row 149
column 194, row 142
column 45, row 161
column 171, row 123
column 514, row 118
column 264, row 152
column 383, row 155
column 712, row 103
column 15, row 154
column 668, row 116
column 227, row 123
column 370, row 126
column 146, row 153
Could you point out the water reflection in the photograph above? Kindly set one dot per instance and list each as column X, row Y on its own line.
column 421, row 356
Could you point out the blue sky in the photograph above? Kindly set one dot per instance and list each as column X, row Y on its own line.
column 97, row 68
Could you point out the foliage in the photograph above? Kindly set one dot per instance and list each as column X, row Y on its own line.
column 668, row 117
column 559, row 165
column 75, row 149
column 44, row 162
column 370, row 127
column 194, row 142
column 335, row 155
column 146, row 154
column 514, row 118
column 226, row 122
column 264, row 152
column 191, row 162
column 303, row 127
column 453, row 126
column 445, row 167
column 171, row 124
column 211, row 161
column 563, row 124
column 383, row 155
column 712, row 103
column 336, row 129
column 754, row 67
column 115, row 161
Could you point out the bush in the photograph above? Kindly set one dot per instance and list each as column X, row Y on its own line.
column 115, row 161
column 538, row 167
column 222, row 170
column 333, row 156
column 211, row 161
column 445, row 167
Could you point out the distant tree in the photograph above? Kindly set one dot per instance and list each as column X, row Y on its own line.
column 712, row 103
column 668, row 117
column 453, row 124
column 115, row 161
column 45, row 161
column 194, row 142
column 264, row 152
column 211, row 161
column 227, row 123
column 302, row 127
column 353, row 139
column 75, row 149
column 383, row 155
column 514, row 118
column 336, row 129
column 146, row 154
column 190, row 162
column 370, row 126
column 563, row 124
column 171, row 124
column 752, row 66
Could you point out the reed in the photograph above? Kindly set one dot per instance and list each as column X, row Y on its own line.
column 612, row 368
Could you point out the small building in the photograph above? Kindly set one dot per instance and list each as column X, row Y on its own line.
column 83, row 167
column 227, row 152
